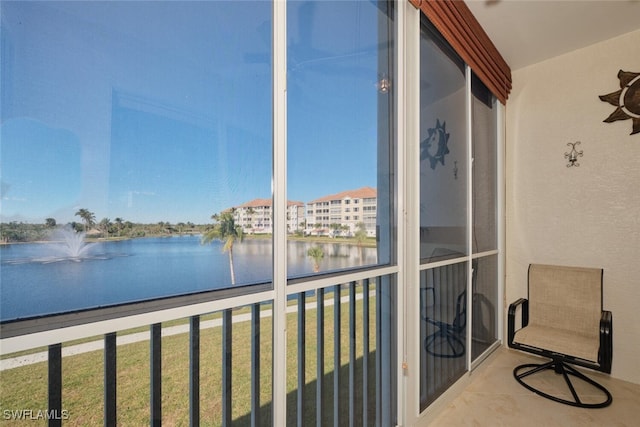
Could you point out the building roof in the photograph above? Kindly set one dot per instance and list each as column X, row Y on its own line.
column 256, row 203
column 360, row 193
column 266, row 203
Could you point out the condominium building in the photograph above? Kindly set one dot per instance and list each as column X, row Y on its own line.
column 339, row 214
column 332, row 215
column 255, row 216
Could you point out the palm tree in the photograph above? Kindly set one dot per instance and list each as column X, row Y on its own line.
column 88, row 218
column 316, row 253
column 226, row 231
column 361, row 233
column 119, row 224
column 105, row 225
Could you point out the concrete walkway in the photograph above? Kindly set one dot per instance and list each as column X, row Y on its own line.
column 72, row 350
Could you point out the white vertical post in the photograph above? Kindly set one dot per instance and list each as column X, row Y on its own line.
column 400, row 167
column 279, row 190
column 389, row 347
column 408, row 75
column 470, row 208
column 502, row 304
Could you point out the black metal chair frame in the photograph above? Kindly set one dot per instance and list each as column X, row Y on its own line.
column 451, row 334
column 561, row 363
column 448, row 332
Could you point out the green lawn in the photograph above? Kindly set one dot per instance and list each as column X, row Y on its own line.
column 26, row 387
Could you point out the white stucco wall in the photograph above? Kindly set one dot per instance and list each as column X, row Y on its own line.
column 587, row 215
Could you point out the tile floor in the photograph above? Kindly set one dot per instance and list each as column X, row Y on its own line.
column 494, row 398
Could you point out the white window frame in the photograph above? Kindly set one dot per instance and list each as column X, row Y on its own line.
column 408, row 119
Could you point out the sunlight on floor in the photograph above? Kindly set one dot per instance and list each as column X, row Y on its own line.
column 494, row 398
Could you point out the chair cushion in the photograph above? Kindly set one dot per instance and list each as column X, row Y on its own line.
column 560, row 341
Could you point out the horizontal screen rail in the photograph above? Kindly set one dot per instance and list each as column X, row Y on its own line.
column 296, row 286
column 22, row 335
column 32, row 333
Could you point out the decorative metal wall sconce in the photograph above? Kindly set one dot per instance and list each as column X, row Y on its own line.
column 384, row 84
column 573, row 155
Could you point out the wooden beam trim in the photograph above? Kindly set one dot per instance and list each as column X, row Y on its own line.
column 459, row 27
column 482, row 61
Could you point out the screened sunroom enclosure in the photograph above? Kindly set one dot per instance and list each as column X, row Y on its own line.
column 207, row 132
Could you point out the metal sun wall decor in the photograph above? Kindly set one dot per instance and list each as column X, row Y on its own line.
column 573, row 155
column 626, row 100
column 434, row 147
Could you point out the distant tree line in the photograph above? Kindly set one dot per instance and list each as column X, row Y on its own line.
column 21, row 232
column 118, row 228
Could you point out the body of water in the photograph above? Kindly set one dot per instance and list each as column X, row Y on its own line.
column 39, row 278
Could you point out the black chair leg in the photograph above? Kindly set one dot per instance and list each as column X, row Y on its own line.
column 567, row 372
column 444, row 343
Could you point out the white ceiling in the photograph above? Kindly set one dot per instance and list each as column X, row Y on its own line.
column 530, row 31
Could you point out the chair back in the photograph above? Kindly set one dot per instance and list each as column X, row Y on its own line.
column 566, row 297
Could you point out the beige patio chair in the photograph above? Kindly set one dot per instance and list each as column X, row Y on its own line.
column 562, row 319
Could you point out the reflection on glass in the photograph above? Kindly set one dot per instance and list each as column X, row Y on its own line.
column 485, row 304
column 443, row 329
column 443, row 149
column 336, row 55
column 484, row 128
column 134, row 127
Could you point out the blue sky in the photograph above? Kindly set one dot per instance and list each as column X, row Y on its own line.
column 161, row 111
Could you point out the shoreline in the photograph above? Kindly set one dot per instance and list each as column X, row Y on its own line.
column 368, row 243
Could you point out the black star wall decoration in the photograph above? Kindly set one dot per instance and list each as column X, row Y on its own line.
column 626, row 100
column 434, row 147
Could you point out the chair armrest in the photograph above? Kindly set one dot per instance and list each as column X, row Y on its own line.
column 512, row 317
column 605, row 355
